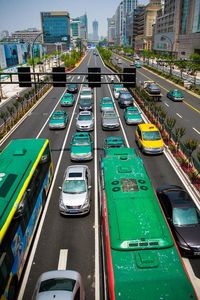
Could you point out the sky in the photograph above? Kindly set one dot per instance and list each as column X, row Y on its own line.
column 23, row 14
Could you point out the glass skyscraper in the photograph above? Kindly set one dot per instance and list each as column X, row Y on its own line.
column 55, row 27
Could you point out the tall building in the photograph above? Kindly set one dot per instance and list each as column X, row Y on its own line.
column 111, row 30
column 188, row 13
column 56, row 27
column 95, row 30
column 84, row 27
column 75, row 26
column 146, row 20
column 28, row 35
column 123, row 19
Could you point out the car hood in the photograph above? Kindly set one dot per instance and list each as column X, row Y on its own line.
column 54, row 122
column 52, row 295
column 110, row 121
column 191, row 234
column 67, row 100
column 74, row 199
column 134, row 117
column 84, row 123
column 80, row 149
column 153, row 144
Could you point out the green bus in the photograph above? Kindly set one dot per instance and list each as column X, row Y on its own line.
column 140, row 258
column 26, row 173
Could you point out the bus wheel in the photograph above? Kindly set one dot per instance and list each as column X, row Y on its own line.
column 12, row 293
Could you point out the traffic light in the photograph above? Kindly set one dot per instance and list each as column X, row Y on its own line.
column 59, row 80
column 94, row 77
column 130, row 79
column 25, row 78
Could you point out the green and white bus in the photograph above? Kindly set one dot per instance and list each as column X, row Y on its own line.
column 140, row 258
column 26, row 173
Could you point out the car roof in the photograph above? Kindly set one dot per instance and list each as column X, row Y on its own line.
column 147, row 127
column 76, row 169
column 59, row 112
column 177, row 196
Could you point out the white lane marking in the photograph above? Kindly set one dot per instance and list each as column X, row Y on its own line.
column 195, row 130
column 166, row 104
column 179, row 116
column 35, row 244
column 193, row 278
column 78, row 77
column 72, row 78
column 123, row 131
column 62, row 263
column 96, row 218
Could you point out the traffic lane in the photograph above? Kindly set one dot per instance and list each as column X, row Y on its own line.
column 159, row 171
column 145, row 74
column 75, row 234
column 190, row 101
column 35, row 120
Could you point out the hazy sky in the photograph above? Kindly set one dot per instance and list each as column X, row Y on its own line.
column 23, row 14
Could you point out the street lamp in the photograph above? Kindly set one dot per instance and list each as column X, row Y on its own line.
column 33, row 60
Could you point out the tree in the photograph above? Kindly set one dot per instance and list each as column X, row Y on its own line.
column 191, row 145
column 170, row 124
column 11, row 111
column 179, row 133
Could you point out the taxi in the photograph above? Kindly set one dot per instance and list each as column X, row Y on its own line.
column 149, row 139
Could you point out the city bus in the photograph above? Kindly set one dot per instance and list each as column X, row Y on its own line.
column 140, row 258
column 26, row 173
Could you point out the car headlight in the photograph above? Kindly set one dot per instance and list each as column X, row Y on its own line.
column 86, row 203
column 61, row 204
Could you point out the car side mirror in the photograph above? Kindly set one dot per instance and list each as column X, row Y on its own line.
column 89, row 187
column 60, row 188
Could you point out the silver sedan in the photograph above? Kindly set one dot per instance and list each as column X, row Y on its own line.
column 85, row 121
column 110, row 120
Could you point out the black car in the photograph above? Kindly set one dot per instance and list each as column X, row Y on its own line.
column 72, row 88
column 85, row 104
column 153, row 88
column 183, row 217
column 125, row 99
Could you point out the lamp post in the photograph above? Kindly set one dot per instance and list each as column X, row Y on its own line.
column 164, row 37
column 34, row 62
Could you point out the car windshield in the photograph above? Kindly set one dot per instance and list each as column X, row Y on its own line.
column 132, row 112
column 74, row 186
column 185, row 216
column 151, row 135
column 105, row 101
column 57, row 284
column 85, row 102
column 110, row 116
column 67, row 97
column 125, row 96
column 85, row 93
column 84, row 118
column 57, row 117
column 153, row 86
column 81, row 142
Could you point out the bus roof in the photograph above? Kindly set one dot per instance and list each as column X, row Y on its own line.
column 17, row 162
column 131, row 199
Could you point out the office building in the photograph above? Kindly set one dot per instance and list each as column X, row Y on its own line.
column 111, row 31
column 84, row 27
column 28, row 35
column 95, row 31
column 56, row 27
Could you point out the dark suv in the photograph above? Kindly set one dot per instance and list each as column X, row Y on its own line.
column 125, row 99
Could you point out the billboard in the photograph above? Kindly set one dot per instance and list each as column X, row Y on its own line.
column 11, row 54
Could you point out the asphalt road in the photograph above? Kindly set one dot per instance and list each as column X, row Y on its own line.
column 187, row 113
column 79, row 235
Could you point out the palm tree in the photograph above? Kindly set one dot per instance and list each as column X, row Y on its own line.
column 16, row 105
column 170, row 122
column 179, row 133
column 11, row 111
column 4, row 117
column 191, row 145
